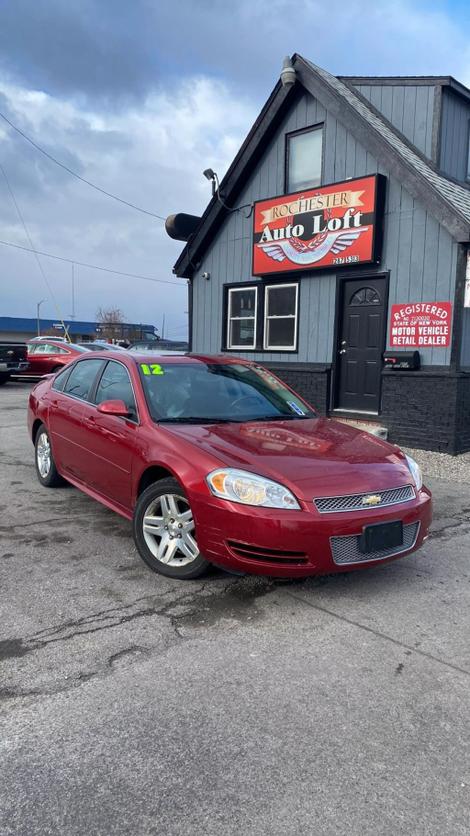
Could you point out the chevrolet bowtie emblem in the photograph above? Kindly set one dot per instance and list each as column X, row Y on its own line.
column 372, row 499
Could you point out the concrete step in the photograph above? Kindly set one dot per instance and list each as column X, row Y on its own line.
column 368, row 426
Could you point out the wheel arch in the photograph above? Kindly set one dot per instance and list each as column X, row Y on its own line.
column 153, row 473
column 34, row 429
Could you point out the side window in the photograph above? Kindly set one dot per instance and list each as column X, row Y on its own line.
column 31, row 348
column 57, row 349
column 82, row 378
column 241, row 317
column 115, row 385
column 280, row 317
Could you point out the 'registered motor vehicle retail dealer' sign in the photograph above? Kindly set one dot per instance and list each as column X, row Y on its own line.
column 332, row 226
column 421, row 325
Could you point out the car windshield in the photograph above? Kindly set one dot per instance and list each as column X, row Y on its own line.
column 214, row 392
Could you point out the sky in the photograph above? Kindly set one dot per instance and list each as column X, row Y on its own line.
column 140, row 98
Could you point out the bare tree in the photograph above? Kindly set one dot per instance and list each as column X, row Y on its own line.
column 110, row 322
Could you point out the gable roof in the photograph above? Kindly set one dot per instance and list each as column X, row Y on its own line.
column 447, row 201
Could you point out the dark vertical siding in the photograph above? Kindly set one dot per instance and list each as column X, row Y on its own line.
column 418, row 252
column 454, row 135
column 465, row 349
column 408, row 107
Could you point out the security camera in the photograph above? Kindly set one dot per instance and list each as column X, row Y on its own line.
column 206, row 276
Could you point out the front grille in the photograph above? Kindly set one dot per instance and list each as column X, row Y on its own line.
column 248, row 552
column 345, row 550
column 355, row 502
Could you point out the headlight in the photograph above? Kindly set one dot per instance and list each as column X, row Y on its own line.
column 415, row 472
column 250, row 489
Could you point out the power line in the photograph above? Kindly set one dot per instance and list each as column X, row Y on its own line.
column 33, row 250
column 91, row 266
column 78, row 176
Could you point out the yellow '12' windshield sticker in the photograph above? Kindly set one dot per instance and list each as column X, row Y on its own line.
column 151, row 368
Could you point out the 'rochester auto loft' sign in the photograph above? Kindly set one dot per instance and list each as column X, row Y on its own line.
column 331, row 226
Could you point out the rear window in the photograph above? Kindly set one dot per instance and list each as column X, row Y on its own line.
column 60, row 379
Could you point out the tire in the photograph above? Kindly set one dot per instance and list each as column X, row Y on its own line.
column 167, row 546
column 45, row 467
column 4, row 380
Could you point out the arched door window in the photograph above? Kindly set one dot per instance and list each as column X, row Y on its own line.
column 365, row 296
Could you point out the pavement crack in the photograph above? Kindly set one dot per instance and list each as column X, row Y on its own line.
column 378, row 634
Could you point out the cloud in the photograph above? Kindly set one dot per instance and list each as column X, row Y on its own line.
column 152, row 155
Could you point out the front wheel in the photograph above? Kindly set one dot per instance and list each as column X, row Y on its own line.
column 46, row 470
column 164, row 531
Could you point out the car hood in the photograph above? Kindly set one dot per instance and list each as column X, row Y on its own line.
column 314, row 457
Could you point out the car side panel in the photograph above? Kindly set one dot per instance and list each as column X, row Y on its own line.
column 110, row 442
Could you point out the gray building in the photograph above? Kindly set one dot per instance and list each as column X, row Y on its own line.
column 336, row 248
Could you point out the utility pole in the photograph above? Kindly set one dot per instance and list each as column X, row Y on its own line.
column 72, row 315
column 38, row 305
column 163, row 327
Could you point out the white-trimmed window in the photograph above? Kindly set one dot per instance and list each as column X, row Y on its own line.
column 468, row 150
column 304, row 159
column 241, row 317
column 280, row 317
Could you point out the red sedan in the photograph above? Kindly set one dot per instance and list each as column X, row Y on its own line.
column 48, row 357
column 217, row 461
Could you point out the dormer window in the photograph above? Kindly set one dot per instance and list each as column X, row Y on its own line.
column 304, row 159
column 468, row 151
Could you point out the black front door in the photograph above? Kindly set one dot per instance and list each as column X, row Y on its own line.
column 361, row 344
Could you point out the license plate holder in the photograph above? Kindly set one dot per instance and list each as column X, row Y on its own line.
column 381, row 536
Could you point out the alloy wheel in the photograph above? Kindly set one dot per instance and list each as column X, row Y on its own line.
column 168, row 529
column 43, row 454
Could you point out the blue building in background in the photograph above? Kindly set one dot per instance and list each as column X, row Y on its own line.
column 22, row 329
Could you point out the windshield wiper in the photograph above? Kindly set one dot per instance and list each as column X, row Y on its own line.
column 193, row 419
column 289, row 417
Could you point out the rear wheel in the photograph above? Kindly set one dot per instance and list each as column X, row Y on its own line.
column 4, row 378
column 164, row 531
column 45, row 467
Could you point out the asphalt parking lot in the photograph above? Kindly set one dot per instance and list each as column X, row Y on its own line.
column 133, row 704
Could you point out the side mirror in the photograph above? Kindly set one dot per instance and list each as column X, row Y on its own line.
column 117, row 408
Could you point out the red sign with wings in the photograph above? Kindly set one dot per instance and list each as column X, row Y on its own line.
column 331, row 226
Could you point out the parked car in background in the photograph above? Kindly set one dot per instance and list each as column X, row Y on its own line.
column 160, row 345
column 48, row 338
column 13, row 360
column 46, row 357
column 100, row 346
column 217, row 461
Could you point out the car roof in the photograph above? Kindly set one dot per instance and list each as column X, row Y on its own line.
column 172, row 359
column 61, row 343
column 221, row 359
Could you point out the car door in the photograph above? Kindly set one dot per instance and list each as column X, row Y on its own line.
column 111, row 439
column 68, row 403
column 36, row 358
column 54, row 357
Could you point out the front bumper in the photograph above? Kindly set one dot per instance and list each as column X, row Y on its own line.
column 294, row 544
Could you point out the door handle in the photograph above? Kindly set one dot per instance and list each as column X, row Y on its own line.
column 342, row 351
